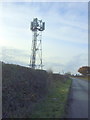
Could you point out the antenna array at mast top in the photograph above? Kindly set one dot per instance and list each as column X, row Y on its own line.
column 37, row 25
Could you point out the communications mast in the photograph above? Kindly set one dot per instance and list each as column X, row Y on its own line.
column 37, row 26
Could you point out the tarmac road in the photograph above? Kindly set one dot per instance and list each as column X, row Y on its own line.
column 78, row 99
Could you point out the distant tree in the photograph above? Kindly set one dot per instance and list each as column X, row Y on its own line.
column 50, row 71
column 85, row 70
column 68, row 73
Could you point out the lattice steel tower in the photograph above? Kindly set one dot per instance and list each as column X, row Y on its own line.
column 37, row 26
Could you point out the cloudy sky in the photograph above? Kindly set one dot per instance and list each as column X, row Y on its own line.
column 64, row 41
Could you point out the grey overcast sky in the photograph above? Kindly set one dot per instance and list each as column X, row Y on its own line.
column 64, row 41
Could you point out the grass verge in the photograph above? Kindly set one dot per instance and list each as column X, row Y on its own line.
column 53, row 106
column 84, row 77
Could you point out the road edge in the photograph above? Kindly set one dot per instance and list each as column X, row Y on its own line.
column 68, row 101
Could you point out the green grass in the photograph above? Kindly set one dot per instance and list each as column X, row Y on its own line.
column 53, row 106
column 85, row 77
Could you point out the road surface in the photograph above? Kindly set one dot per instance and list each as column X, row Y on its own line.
column 78, row 99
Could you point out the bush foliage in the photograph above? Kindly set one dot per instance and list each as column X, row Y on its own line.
column 21, row 87
column 85, row 70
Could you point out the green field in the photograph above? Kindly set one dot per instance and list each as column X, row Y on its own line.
column 53, row 106
column 84, row 77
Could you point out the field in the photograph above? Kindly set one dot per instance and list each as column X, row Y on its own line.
column 84, row 77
